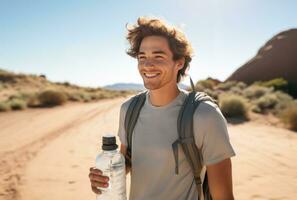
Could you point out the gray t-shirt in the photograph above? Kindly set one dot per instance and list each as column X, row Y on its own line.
column 153, row 165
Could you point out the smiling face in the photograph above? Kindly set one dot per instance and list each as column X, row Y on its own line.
column 155, row 63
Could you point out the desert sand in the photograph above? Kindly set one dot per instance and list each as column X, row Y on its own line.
column 46, row 154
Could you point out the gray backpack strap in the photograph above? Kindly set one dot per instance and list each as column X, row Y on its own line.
column 187, row 141
column 131, row 117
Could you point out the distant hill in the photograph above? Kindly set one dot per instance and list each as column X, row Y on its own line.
column 125, row 86
column 132, row 86
column 276, row 59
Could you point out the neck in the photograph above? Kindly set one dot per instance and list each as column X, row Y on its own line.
column 163, row 96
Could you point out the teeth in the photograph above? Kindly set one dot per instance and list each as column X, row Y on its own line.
column 150, row 75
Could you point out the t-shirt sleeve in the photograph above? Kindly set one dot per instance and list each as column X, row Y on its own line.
column 211, row 134
column 121, row 130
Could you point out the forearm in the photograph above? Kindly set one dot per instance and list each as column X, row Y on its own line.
column 220, row 180
column 128, row 168
column 223, row 197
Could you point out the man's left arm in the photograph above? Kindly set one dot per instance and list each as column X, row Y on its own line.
column 220, row 180
column 212, row 138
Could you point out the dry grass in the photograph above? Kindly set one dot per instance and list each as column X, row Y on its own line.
column 18, row 104
column 37, row 91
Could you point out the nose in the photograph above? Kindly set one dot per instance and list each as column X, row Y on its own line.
column 148, row 63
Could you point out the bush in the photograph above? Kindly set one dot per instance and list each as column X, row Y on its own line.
column 94, row 96
column 268, row 101
column 205, row 84
column 256, row 91
column 52, row 98
column 103, row 95
column 277, row 84
column 236, row 90
column 80, row 96
column 233, row 106
column 283, row 101
column 225, row 86
column 85, row 97
column 275, row 102
column 289, row 116
column 4, row 106
column 241, row 85
column 256, row 109
column 74, row 96
column 18, row 104
column 212, row 93
column 33, row 102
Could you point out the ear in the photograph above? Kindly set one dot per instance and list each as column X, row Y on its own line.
column 180, row 63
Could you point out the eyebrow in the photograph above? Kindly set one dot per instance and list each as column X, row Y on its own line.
column 154, row 52
column 159, row 52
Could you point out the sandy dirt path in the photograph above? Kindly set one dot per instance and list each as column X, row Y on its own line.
column 46, row 154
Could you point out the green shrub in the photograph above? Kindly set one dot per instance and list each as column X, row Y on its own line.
column 4, row 106
column 24, row 96
column 256, row 109
column 236, row 90
column 205, row 84
column 277, row 84
column 256, row 91
column 81, row 96
column 212, row 93
column 233, row 106
column 289, row 116
column 18, row 104
column 15, row 96
column 273, row 102
column 52, row 98
column 283, row 101
column 267, row 101
column 241, row 85
column 232, row 87
column 226, row 85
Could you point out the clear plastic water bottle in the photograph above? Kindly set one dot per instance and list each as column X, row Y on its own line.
column 112, row 164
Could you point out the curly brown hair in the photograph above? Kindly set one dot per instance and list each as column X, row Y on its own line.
column 178, row 43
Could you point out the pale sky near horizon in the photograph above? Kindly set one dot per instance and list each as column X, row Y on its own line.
column 83, row 42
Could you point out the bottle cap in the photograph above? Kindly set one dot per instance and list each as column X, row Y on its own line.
column 109, row 143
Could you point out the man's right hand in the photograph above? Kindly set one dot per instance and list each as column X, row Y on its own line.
column 97, row 180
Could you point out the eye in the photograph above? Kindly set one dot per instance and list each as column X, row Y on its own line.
column 159, row 57
column 141, row 57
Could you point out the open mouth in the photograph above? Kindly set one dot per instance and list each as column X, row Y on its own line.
column 151, row 75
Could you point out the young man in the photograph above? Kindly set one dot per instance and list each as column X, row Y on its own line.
column 163, row 54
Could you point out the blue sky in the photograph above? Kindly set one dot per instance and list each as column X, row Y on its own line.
column 83, row 42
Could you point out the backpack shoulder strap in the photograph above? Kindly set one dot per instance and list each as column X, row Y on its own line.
column 131, row 117
column 186, row 137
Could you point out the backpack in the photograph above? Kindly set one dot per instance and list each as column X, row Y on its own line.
column 186, row 136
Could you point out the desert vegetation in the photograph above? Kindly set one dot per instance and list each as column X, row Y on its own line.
column 21, row 91
column 237, row 99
